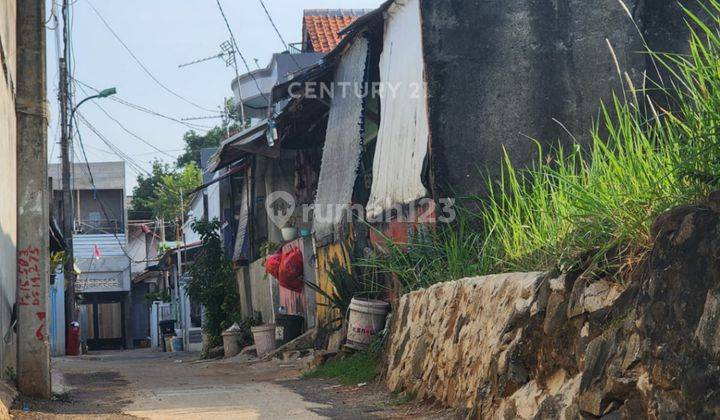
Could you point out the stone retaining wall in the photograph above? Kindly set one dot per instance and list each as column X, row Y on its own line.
column 451, row 338
column 583, row 344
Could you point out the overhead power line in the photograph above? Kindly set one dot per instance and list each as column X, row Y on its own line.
column 100, row 202
column 213, row 117
column 134, row 155
column 152, row 146
column 141, row 108
column 122, row 155
column 277, row 31
column 134, row 166
column 142, row 66
column 242, row 57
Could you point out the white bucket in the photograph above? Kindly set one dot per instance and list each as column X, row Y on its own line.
column 264, row 336
column 367, row 317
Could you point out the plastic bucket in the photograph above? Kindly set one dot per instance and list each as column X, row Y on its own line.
column 367, row 317
column 231, row 345
column 264, row 337
column 177, row 344
column 167, row 340
column 289, row 327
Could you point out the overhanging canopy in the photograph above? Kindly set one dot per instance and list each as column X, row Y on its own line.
column 250, row 141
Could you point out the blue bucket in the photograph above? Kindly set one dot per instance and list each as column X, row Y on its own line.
column 177, row 344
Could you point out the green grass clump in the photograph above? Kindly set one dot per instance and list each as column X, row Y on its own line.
column 349, row 370
column 593, row 202
column 654, row 148
column 444, row 253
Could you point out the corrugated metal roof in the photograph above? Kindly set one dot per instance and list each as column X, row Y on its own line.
column 84, row 245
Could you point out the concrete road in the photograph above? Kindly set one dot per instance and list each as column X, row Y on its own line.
column 154, row 385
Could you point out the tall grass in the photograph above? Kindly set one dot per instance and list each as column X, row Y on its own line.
column 433, row 255
column 593, row 205
column 591, row 202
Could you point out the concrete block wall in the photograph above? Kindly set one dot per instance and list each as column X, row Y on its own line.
column 501, row 74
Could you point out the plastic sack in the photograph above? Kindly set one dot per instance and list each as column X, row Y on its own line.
column 272, row 264
column 290, row 274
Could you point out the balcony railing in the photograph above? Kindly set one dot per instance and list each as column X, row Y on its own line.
column 295, row 48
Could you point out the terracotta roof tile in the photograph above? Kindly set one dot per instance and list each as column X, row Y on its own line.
column 321, row 27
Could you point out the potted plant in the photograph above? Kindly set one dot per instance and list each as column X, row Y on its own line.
column 267, row 248
column 289, row 231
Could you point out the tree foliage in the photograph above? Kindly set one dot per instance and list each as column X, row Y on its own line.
column 172, row 200
column 212, row 283
column 145, row 193
column 151, row 199
column 194, row 142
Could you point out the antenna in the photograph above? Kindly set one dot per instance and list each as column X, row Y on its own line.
column 227, row 54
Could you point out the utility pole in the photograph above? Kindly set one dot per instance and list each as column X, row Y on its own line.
column 33, row 260
column 162, row 229
column 67, row 204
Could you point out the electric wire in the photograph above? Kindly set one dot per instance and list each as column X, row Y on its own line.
column 141, row 108
column 277, row 31
column 122, row 155
column 237, row 49
column 100, row 202
column 152, row 146
column 140, row 63
column 138, row 169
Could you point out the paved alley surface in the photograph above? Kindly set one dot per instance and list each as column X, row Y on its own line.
column 154, row 385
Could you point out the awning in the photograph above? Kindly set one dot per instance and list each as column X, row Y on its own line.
column 148, row 274
column 247, row 142
column 169, row 259
column 232, row 171
column 323, row 69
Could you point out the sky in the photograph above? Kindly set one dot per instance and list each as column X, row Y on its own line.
column 162, row 34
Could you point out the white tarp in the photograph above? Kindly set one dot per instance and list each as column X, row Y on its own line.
column 404, row 131
column 341, row 153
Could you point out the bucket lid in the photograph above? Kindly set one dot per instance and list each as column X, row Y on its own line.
column 234, row 328
column 370, row 306
column 370, row 303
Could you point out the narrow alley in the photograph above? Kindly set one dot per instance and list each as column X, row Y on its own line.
column 155, row 385
column 301, row 209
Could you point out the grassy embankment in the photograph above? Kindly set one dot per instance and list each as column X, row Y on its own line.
column 592, row 206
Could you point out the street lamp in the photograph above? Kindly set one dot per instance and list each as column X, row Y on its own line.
column 102, row 94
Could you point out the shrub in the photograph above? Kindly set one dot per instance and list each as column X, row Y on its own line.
column 212, row 283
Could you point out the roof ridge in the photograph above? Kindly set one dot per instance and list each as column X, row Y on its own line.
column 335, row 12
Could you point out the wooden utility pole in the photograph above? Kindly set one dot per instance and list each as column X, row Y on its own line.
column 33, row 259
column 67, row 212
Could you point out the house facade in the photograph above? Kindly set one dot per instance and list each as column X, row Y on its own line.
column 100, row 249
